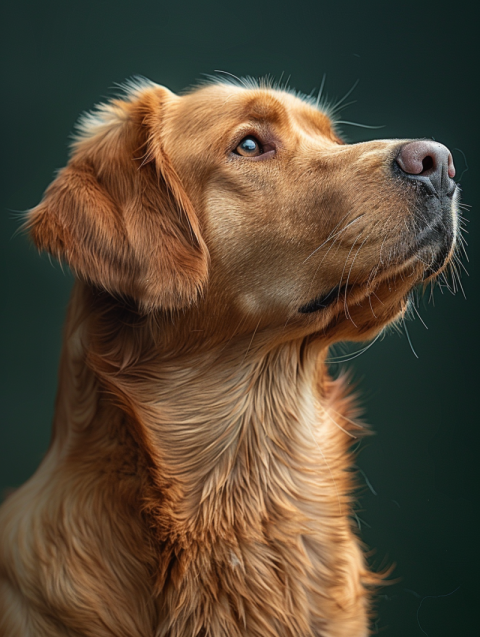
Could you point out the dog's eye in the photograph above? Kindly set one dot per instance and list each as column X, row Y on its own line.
column 249, row 147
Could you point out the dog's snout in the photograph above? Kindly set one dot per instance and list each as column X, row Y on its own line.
column 429, row 162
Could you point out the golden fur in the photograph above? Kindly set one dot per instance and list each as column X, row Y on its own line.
column 197, row 482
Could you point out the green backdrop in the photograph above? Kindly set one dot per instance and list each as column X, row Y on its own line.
column 418, row 69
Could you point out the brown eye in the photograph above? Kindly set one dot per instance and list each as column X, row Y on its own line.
column 249, row 147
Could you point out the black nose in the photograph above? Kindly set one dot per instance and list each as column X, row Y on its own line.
column 429, row 162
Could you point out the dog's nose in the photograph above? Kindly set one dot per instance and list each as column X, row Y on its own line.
column 429, row 161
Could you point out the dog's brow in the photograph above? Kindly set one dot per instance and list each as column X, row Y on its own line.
column 315, row 121
column 266, row 108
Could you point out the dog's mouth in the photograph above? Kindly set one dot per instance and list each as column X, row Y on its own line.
column 433, row 247
column 323, row 301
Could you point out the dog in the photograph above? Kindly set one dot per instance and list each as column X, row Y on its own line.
column 198, row 482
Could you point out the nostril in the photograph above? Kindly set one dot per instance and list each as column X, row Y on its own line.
column 430, row 162
column 427, row 164
column 425, row 158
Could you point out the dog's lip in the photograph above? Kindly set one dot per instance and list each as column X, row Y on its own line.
column 436, row 241
column 322, row 301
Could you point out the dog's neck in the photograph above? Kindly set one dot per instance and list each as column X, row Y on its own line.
column 224, row 468
column 231, row 437
column 230, row 431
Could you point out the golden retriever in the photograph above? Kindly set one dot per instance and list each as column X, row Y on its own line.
column 198, row 480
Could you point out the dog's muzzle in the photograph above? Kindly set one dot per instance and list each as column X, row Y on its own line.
column 428, row 168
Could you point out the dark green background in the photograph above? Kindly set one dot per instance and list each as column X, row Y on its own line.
column 418, row 69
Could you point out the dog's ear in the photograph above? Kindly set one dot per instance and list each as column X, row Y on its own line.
column 118, row 215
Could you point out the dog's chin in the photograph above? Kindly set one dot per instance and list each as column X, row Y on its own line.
column 434, row 244
column 440, row 257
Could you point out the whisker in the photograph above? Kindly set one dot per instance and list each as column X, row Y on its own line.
column 343, row 272
column 239, row 80
column 320, row 91
column 337, row 104
column 341, row 121
column 466, row 169
column 330, row 236
column 458, row 261
column 332, row 111
column 454, row 269
column 348, row 278
column 409, row 339
column 342, row 359
column 418, row 314
column 335, row 235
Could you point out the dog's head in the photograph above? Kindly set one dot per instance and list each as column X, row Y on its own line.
column 244, row 201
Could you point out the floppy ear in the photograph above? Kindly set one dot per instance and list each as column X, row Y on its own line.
column 118, row 214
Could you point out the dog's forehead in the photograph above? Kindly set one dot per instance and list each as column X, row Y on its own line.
column 233, row 105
